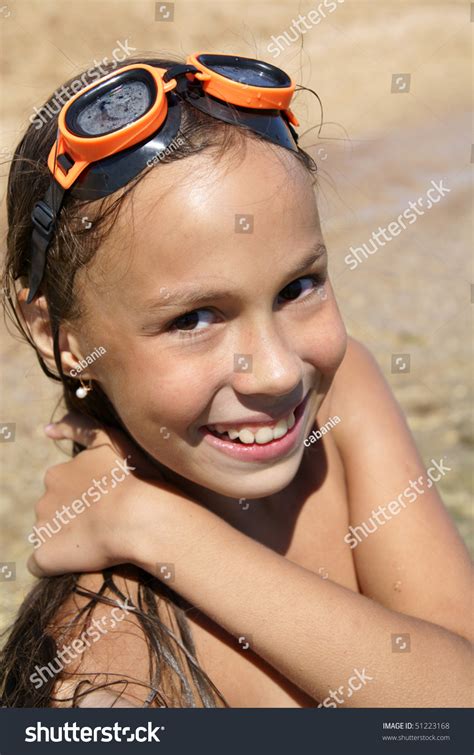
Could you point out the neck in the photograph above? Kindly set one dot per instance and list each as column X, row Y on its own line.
column 269, row 520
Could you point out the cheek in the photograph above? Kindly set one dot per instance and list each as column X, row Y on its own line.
column 152, row 387
column 336, row 341
column 325, row 341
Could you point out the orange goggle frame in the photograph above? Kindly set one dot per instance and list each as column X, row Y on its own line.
column 72, row 153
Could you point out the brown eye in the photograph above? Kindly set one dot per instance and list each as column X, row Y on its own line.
column 293, row 290
column 186, row 324
column 189, row 319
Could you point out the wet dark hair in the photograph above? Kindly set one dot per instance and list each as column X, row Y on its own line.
column 31, row 640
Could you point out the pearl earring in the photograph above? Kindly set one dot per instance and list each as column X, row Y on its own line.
column 83, row 390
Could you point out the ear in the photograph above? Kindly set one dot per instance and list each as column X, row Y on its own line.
column 37, row 319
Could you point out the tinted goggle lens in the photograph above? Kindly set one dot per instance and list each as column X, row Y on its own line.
column 118, row 105
column 246, row 70
column 114, row 110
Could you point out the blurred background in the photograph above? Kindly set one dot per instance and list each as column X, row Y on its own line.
column 395, row 82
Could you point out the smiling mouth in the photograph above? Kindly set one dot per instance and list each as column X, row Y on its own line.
column 262, row 435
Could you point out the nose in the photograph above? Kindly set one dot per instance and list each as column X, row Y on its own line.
column 265, row 362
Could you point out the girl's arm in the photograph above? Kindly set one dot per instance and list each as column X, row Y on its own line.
column 411, row 639
column 316, row 632
column 394, row 648
column 415, row 562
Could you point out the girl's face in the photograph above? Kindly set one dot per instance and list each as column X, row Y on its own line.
column 212, row 301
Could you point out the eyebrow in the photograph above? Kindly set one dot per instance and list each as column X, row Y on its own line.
column 191, row 297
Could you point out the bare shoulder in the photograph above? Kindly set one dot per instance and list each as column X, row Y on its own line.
column 357, row 367
column 359, row 392
column 357, row 386
column 103, row 645
column 407, row 551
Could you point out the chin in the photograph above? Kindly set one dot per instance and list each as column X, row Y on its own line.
column 261, row 483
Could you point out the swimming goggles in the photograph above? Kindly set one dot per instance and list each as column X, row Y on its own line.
column 114, row 128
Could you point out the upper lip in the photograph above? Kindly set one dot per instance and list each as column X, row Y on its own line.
column 258, row 419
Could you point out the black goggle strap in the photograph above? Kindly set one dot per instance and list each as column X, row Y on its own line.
column 292, row 130
column 179, row 70
column 43, row 218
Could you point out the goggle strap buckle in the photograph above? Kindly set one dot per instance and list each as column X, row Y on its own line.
column 43, row 218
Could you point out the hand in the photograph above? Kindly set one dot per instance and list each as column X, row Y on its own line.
column 96, row 506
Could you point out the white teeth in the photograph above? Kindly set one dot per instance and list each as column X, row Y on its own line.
column 280, row 429
column 262, row 435
column 246, row 436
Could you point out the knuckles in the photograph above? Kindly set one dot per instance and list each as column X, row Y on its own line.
column 41, row 508
column 54, row 473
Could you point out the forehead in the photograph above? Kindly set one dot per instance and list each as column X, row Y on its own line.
column 197, row 218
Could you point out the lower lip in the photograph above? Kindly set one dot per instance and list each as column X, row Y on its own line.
column 255, row 451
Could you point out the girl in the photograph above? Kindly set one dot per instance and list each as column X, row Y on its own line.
column 246, row 521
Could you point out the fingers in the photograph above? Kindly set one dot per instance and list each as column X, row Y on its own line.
column 33, row 567
column 79, row 429
column 85, row 431
column 39, row 570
